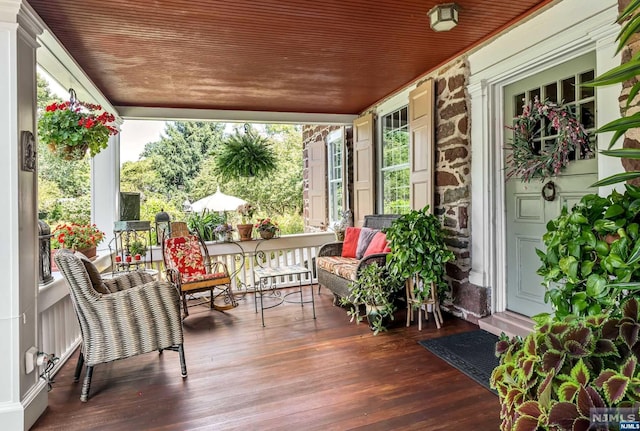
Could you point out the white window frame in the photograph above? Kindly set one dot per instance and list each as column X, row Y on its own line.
column 379, row 152
column 335, row 140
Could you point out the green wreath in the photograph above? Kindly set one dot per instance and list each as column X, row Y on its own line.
column 526, row 160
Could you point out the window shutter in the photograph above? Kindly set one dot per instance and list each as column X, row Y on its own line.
column 317, row 192
column 421, row 145
column 363, row 168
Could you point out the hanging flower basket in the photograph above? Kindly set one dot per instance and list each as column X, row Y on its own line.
column 71, row 128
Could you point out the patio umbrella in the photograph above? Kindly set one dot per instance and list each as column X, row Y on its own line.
column 217, row 202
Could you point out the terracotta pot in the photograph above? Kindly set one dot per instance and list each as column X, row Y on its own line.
column 54, row 267
column 245, row 231
column 89, row 252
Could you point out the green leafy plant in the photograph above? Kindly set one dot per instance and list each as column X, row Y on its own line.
column 375, row 289
column 137, row 247
column 626, row 71
column 418, row 248
column 205, row 224
column 553, row 377
column 245, row 155
column 70, row 128
column 592, row 253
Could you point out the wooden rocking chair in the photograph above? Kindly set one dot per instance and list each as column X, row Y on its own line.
column 190, row 268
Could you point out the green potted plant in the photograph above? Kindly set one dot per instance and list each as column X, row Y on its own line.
column 376, row 290
column 418, row 249
column 137, row 249
column 71, row 128
column 592, row 255
column 205, row 224
column 552, row 378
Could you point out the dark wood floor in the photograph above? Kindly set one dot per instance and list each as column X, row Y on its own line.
column 297, row 373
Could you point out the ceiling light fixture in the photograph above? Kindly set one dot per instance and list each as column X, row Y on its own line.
column 443, row 17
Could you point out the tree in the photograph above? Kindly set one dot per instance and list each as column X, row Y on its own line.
column 178, row 156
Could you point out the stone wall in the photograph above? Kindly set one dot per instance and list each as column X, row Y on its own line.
column 452, row 201
column 632, row 136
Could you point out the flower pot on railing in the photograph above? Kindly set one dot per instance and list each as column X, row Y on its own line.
column 245, row 231
column 265, row 234
column 89, row 252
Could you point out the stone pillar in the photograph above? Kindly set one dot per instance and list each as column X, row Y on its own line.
column 23, row 397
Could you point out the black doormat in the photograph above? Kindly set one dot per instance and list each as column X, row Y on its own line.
column 473, row 353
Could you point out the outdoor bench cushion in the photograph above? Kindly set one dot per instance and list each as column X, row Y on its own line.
column 344, row 267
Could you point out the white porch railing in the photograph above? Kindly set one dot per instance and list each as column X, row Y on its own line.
column 60, row 333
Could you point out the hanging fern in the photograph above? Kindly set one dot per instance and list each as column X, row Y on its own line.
column 245, row 155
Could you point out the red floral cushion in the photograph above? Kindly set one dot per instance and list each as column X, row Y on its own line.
column 350, row 244
column 183, row 253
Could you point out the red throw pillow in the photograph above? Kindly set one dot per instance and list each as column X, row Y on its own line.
column 350, row 244
column 378, row 244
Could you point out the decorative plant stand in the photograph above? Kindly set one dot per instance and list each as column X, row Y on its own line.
column 417, row 303
column 125, row 234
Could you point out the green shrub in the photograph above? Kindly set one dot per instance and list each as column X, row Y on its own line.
column 590, row 250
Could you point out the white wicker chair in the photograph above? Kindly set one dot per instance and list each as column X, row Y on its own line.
column 119, row 318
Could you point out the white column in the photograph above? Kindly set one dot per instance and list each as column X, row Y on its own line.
column 482, row 178
column 23, row 397
column 105, row 186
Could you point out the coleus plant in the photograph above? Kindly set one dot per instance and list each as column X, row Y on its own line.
column 552, row 378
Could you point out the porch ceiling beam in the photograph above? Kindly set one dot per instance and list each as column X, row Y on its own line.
column 184, row 114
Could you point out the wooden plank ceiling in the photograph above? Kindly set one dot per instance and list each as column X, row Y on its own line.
column 329, row 56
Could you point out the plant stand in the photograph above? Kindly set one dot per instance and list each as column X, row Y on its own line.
column 417, row 303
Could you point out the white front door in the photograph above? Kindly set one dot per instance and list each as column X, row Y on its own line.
column 527, row 212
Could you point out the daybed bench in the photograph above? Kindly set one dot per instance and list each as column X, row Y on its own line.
column 338, row 263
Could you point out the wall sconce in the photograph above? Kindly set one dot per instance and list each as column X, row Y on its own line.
column 443, row 17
